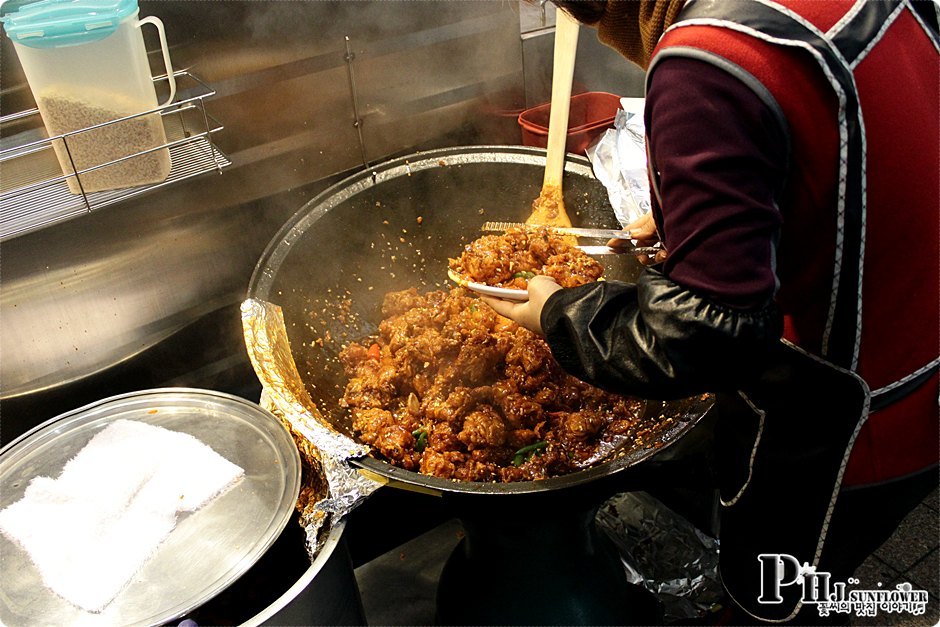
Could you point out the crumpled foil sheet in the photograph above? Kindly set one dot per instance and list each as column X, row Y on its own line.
column 664, row 553
column 323, row 450
column 618, row 158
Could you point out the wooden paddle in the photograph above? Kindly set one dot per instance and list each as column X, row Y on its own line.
column 549, row 208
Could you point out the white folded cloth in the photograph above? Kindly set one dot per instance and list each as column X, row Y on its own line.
column 91, row 529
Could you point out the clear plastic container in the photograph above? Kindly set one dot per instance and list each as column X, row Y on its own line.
column 86, row 64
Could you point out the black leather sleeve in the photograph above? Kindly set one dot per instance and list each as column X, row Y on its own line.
column 656, row 339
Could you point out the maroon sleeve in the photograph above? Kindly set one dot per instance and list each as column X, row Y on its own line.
column 721, row 155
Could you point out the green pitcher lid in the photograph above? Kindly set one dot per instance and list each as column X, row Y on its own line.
column 58, row 23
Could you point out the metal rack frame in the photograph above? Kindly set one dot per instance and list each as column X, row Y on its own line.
column 34, row 192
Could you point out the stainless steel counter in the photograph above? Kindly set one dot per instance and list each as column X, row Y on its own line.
column 143, row 293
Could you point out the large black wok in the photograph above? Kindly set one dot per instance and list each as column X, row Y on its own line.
column 393, row 227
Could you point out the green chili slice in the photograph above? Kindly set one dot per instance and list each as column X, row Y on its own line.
column 421, row 439
column 526, row 452
column 525, row 274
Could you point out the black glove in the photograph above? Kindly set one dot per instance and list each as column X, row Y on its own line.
column 656, row 339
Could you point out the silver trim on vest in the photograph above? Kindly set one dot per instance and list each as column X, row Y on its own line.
column 930, row 34
column 881, row 32
column 910, row 377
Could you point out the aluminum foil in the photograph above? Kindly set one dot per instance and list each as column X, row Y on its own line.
column 618, row 159
column 664, row 553
column 325, row 451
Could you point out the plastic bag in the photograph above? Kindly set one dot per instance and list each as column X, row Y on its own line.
column 618, row 158
column 664, row 553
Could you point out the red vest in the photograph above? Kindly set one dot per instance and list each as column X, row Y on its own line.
column 855, row 85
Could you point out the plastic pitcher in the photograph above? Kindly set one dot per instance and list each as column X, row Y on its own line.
column 86, row 64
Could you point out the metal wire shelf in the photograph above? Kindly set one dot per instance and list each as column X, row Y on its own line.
column 34, row 192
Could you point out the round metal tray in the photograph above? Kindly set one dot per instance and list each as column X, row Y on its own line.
column 207, row 550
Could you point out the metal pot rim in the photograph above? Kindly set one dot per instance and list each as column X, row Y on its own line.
column 282, row 243
column 297, row 588
column 279, row 246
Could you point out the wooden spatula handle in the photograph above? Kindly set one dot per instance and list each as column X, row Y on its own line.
column 566, row 48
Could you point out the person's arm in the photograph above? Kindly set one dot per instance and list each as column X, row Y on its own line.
column 656, row 339
column 704, row 323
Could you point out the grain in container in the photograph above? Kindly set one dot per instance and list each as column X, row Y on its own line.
column 87, row 67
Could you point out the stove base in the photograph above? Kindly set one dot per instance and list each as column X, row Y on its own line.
column 541, row 563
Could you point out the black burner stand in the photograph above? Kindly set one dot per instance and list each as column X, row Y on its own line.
column 537, row 559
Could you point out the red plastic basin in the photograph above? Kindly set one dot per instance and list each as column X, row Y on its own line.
column 589, row 115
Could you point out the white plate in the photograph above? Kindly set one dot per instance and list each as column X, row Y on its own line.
column 489, row 290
